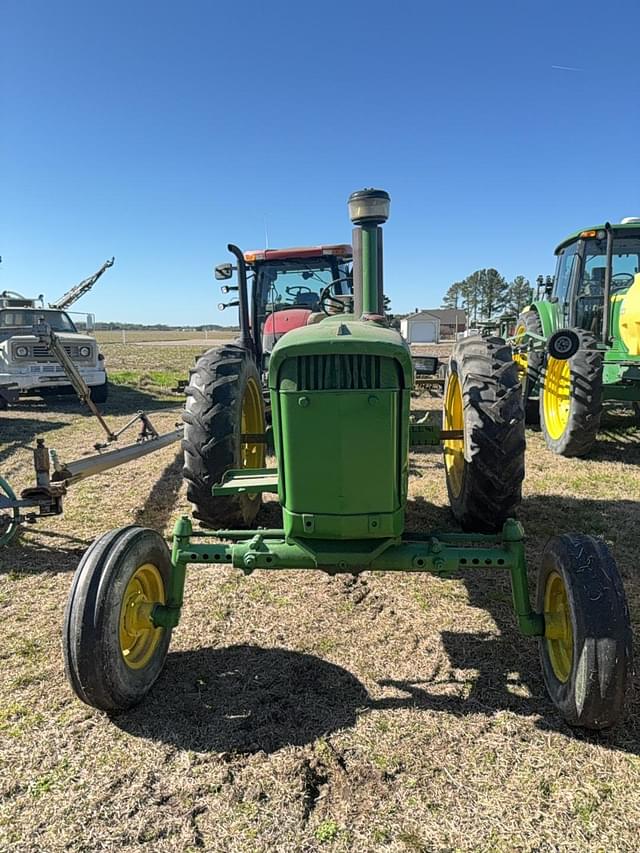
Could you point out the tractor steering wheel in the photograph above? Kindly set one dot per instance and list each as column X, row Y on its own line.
column 295, row 289
column 626, row 279
column 328, row 301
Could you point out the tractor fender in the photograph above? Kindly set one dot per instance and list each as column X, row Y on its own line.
column 549, row 315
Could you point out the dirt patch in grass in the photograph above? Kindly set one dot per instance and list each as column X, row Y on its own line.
column 299, row 712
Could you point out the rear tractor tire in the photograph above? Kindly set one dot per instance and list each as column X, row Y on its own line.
column 113, row 652
column 529, row 365
column 224, row 400
column 586, row 651
column 485, row 469
column 571, row 398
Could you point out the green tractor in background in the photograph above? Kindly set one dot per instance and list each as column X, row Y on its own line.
column 340, row 393
column 592, row 307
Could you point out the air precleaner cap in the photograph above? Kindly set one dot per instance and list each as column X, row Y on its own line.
column 369, row 206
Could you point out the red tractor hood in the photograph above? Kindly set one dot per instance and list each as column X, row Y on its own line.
column 279, row 323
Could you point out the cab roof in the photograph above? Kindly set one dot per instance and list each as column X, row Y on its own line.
column 340, row 250
column 619, row 227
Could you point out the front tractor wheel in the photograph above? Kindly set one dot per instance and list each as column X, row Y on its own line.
column 586, row 648
column 113, row 651
column 571, row 398
column 224, row 403
column 484, row 470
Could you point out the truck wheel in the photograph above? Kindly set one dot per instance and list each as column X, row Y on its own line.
column 571, row 399
column 484, row 470
column 113, row 653
column 586, row 650
column 99, row 393
column 529, row 365
column 224, row 400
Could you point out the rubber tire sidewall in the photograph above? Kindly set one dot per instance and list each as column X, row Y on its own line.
column 211, row 441
column 494, row 442
column 94, row 663
column 599, row 611
column 579, row 435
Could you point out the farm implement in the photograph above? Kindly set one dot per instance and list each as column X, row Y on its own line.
column 342, row 431
column 578, row 348
column 53, row 478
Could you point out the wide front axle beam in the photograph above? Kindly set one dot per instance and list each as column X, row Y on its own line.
column 438, row 553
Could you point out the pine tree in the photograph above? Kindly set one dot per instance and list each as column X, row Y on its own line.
column 493, row 293
column 453, row 296
column 520, row 294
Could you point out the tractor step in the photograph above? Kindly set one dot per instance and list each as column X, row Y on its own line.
column 252, row 480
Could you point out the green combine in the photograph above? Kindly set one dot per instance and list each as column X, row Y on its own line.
column 592, row 306
column 342, row 431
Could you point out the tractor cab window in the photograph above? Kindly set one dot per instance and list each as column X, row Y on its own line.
column 298, row 283
column 625, row 263
column 564, row 274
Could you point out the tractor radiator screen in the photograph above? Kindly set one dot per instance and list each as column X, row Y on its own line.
column 344, row 372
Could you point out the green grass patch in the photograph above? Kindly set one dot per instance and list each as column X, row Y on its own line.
column 165, row 379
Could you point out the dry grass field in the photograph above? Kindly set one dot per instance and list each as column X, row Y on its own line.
column 299, row 712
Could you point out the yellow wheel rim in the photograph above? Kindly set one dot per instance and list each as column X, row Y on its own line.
column 556, row 396
column 251, row 453
column 558, row 632
column 453, row 418
column 139, row 637
column 520, row 358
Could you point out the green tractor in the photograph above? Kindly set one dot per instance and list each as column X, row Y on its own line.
column 591, row 311
column 344, row 384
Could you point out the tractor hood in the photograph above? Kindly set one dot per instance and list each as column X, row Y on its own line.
column 342, row 334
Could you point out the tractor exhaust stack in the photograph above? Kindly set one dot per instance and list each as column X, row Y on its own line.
column 368, row 210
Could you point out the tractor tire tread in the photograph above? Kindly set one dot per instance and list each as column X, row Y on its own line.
column 494, row 434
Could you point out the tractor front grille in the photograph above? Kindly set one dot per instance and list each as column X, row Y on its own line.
column 338, row 372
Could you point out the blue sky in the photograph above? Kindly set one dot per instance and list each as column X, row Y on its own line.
column 158, row 132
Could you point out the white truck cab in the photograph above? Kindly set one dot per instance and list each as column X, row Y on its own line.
column 28, row 367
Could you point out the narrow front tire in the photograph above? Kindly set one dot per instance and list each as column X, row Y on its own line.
column 586, row 650
column 113, row 652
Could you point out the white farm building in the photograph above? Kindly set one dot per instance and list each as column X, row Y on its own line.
column 426, row 327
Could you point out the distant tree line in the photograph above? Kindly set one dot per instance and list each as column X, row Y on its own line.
column 159, row 327
column 485, row 294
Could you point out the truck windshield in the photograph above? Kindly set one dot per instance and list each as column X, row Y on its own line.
column 20, row 320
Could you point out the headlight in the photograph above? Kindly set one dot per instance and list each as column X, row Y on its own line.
column 85, row 352
column 22, row 351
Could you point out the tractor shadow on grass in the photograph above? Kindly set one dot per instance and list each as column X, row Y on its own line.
column 159, row 507
column 246, row 699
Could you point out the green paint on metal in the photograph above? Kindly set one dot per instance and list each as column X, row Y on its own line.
column 437, row 553
column 424, row 434
column 370, row 237
column 168, row 615
column 251, row 480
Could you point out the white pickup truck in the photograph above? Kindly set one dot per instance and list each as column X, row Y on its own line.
column 28, row 367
